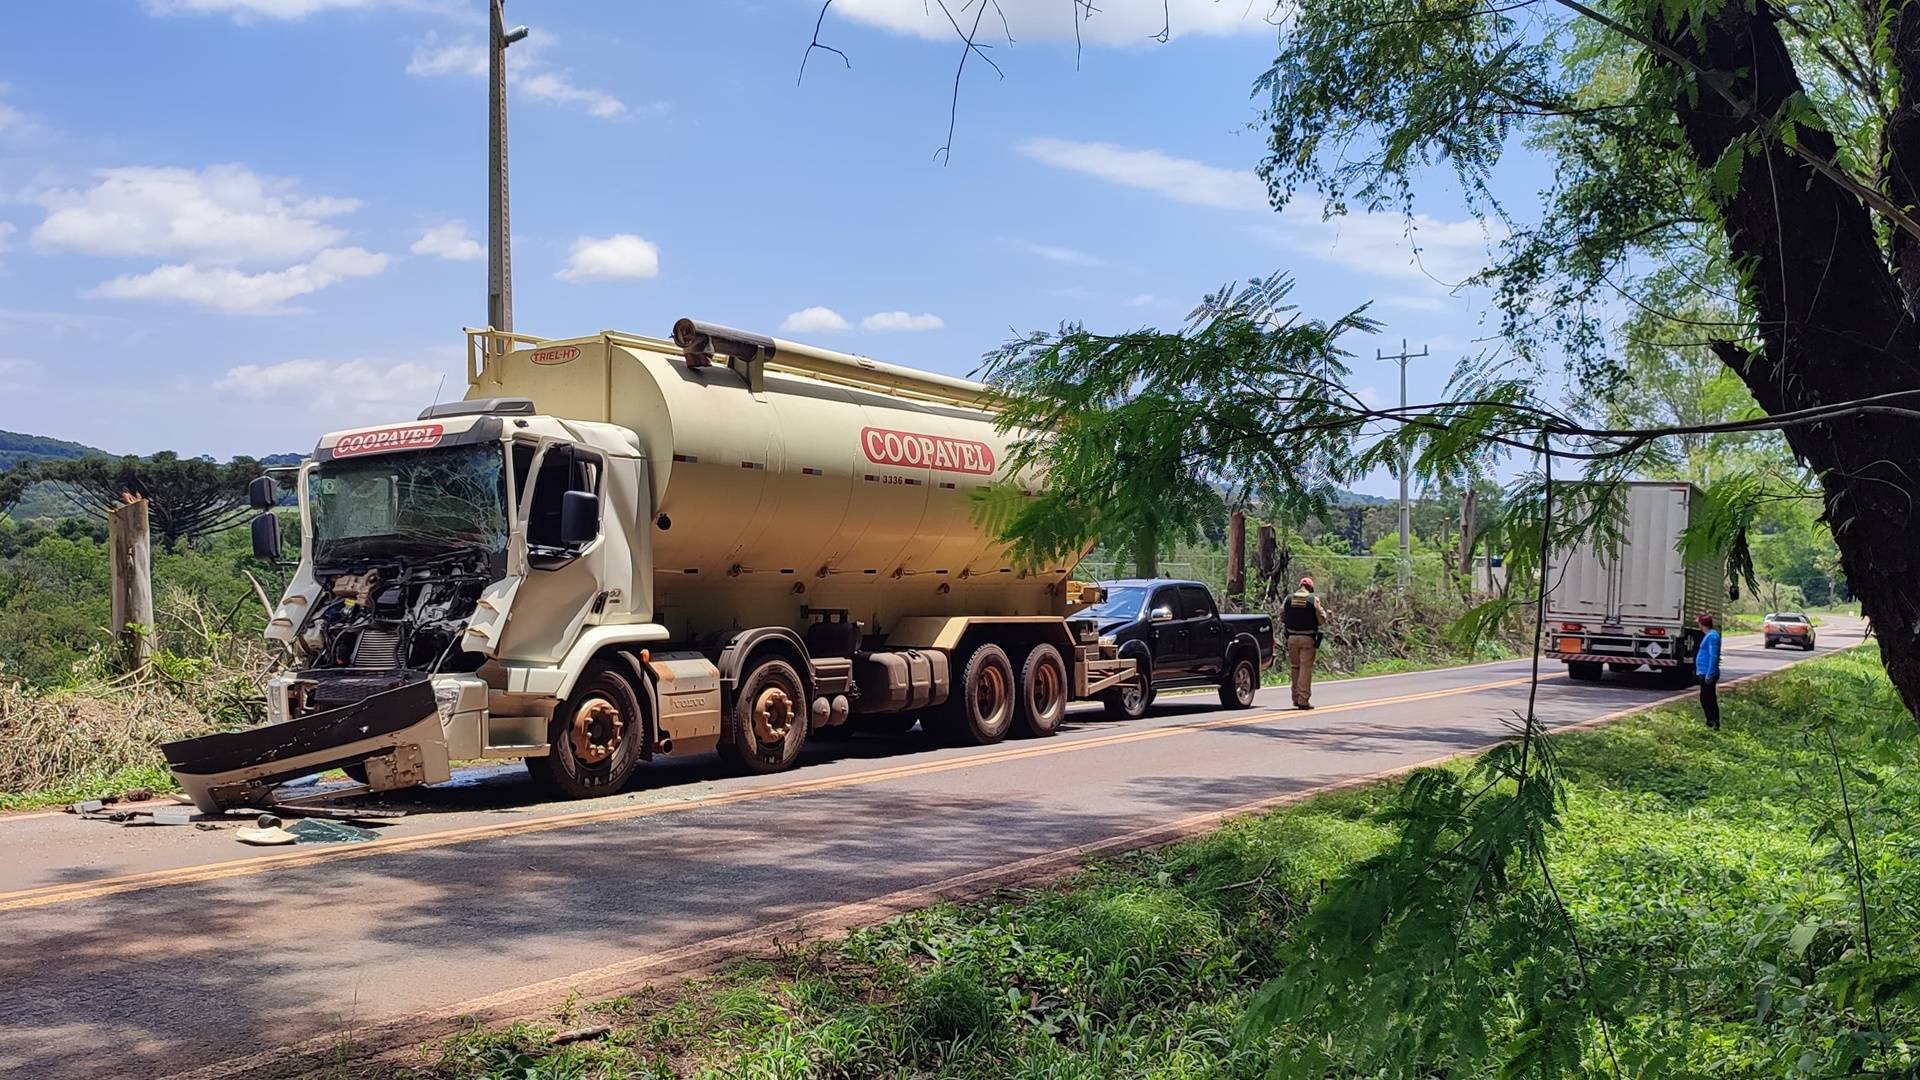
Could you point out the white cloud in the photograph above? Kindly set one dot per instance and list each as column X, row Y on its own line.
column 1142, row 300
column 611, row 258
column 459, row 58
column 221, row 214
column 16, row 374
column 345, row 391
column 528, row 72
column 901, row 320
column 559, row 89
column 449, row 241
column 1421, row 248
column 12, row 120
column 814, row 320
column 1114, row 22
column 1180, row 179
column 1369, row 396
column 250, row 10
column 1380, row 243
column 7, row 229
column 225, row 289
column 1053, row 253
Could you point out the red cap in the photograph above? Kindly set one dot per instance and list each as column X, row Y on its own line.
column 1307, row 581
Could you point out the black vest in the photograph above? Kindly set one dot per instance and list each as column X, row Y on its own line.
column 1301, row 615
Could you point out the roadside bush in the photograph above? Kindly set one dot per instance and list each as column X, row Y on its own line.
column 953, row 1001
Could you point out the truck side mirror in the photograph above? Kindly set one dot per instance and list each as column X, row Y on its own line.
column 579, row 517
column 1163, row 613
column 263, row 492
column 266, row 536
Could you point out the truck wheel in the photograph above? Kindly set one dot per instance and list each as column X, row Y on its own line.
column 982, row 706
column 767, row 725
column 1241, row 682
column 1043, row 692
column 594, row 740
column 1584, row 670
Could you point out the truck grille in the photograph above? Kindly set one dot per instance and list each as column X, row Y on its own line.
column 377, row 649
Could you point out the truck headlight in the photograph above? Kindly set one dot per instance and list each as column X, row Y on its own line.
column 1107, row 640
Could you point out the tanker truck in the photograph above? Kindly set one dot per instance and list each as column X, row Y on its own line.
column 617, row 547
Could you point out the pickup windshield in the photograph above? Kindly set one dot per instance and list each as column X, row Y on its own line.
column 1121, row 603
column 418, row 503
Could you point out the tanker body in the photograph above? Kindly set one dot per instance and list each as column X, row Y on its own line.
column 618, row 547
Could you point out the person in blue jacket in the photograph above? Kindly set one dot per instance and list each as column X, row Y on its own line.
column 1706, row 665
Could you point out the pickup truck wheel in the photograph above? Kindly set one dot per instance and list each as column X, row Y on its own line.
column 767, row 725
column 1043, row 692
column 594, row 740
column 1131, row 703
column 1241, row 682
column 982, row 706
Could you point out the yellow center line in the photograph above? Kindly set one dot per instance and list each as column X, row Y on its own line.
column 54, row 894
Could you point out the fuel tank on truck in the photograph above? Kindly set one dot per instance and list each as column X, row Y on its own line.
column 786, row 477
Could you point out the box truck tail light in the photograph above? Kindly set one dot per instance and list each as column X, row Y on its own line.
column 1656, row 631
column 1571, row 627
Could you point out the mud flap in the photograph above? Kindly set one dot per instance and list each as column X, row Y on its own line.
column 397, row 732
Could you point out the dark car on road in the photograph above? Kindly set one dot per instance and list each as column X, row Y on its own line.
column 1176, row 633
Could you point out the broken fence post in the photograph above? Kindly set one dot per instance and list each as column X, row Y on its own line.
column 130, row 549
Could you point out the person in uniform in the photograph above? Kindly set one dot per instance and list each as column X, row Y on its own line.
column 1302, row 617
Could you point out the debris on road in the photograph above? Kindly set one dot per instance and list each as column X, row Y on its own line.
column 265, row 835
column 330, row 832
column 268, row 831
column 580, row 1034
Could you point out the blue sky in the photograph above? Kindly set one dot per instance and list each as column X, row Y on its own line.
column 229, row 225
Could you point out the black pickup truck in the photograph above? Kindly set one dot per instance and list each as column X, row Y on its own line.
column 1176, row 632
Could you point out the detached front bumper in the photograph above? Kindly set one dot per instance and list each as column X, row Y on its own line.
column 397, row 735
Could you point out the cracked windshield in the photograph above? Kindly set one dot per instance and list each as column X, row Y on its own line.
column 425, row 503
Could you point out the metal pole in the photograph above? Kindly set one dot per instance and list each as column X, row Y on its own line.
column 499, row 239
column 1406, row 504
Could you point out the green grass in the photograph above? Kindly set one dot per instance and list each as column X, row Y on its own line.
column 1709, row 856
column 153, row 778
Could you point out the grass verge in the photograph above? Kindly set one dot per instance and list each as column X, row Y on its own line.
column 1712, row 855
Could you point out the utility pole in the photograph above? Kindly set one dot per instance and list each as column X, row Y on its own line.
column 499, row 257
column 1406, row 506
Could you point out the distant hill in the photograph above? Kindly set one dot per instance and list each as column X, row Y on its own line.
column 1355, row 498
column 15, row 448
column 44, row 500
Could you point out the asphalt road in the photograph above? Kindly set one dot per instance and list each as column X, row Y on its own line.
column 128, row 950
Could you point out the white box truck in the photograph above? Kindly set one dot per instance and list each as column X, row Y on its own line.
column 619, row 546
column 1627, row 598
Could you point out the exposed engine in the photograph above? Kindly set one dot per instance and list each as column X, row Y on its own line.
column 396, row 617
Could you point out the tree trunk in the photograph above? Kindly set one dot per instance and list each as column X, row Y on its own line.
column 1146, row 552
column 1236, row 555
column 130, row 549
column 1469, row 528
column 1833, row 321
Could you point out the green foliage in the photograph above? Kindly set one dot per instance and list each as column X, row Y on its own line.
column 187, row 498
column 1702, row 907
column 1138, row 434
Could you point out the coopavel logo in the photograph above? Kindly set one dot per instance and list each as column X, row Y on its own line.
column 411, row 437
column 887, row 447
